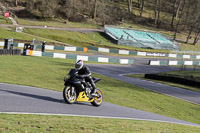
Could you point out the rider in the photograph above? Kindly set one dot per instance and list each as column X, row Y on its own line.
column 84, row 72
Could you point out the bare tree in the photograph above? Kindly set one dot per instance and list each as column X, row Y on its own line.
column 192, row 18
column 174, row 13
column 157, row 11
column 196, row 28
column 178, row 7
column 130, row 4
column 48, row 8
column 197, row 35
column 16, row 2
column 95, row 9
column 179, row 20
column 141, row 6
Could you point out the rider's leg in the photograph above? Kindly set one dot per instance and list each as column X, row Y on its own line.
column 90, row 80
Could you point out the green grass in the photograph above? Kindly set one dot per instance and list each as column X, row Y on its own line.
column 38, row 123
column 190, row 47
column 48, row 73
column 141, row 76
column 4, row 20
column 4, row 33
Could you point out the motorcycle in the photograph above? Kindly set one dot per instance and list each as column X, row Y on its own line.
column 77, row 89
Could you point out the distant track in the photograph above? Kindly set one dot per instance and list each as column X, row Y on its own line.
column 56, row 28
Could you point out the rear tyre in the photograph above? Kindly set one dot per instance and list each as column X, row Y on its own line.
column 98, row 100
column 69, row 94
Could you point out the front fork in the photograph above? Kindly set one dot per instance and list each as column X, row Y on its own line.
column 72, row 91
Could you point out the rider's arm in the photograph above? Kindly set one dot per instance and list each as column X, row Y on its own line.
column 87, row 72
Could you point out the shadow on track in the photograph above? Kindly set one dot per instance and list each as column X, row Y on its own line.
column 46, row 98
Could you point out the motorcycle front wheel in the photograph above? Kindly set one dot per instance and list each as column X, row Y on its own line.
column 98, row 100
column 69, row 94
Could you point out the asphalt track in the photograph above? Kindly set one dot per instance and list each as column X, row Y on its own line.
column 23, row 99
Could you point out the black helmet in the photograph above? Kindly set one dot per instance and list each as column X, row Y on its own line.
column 78, row 64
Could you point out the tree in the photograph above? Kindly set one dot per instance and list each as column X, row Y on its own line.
column 141, row 6
column 197, row 35
column 16, row 2
column 49, row 8
column 157, row 12
column 179, row 20
column 196, row 28
column 130, row 4
column 174, row 13
column 95, row 9
column 192, row 19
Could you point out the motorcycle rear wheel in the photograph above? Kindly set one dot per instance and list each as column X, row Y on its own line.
column 68, row 95
column 98, row 101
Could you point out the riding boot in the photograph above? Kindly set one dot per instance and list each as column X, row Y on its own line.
column 93, row 91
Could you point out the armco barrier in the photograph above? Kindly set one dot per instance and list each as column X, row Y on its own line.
column 10, row 51
column 126, row 52
column 163, row 63
column 173, row 63
column 82, row 57
column 115, row 51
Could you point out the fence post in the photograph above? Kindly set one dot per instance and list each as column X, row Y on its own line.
column 43, row 46
column 6, row 44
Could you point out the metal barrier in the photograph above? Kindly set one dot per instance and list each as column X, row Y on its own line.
column 10, row 52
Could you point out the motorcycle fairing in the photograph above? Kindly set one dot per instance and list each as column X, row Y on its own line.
column 82, row 97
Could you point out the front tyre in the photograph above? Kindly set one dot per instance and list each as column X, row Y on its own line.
column 98, row 100
column 69, row 94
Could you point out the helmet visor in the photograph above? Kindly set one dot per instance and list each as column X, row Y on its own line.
column 78, row 66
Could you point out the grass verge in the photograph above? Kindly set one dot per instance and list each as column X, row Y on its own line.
column 39, row 123
column 4, row 33
column 4, row 20
column 45, row 72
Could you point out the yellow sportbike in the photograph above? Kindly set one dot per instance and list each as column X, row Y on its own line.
column 79, row 90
